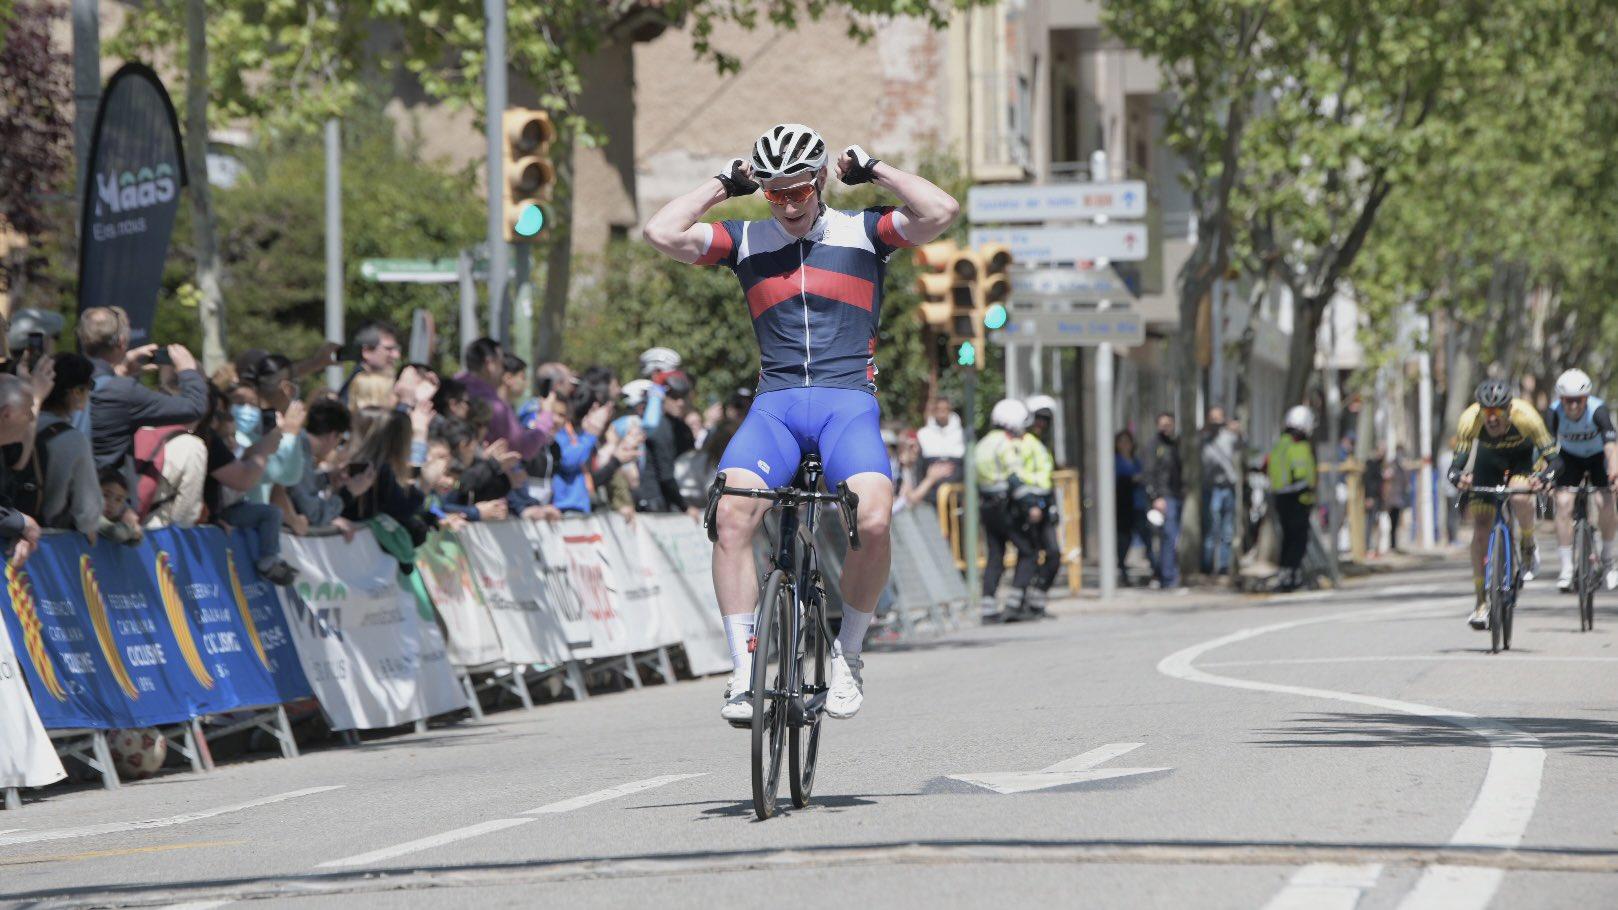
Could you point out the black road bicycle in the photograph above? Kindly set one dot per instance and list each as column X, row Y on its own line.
column 1587, row 569
column 1502, row 569
column 791, row 637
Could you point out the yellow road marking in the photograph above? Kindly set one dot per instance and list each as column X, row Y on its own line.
column 127, row 851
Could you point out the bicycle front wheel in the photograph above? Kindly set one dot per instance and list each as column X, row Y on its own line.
column 771, row 680
column 805, row 739
column 1495, row 583
column 1584, row 558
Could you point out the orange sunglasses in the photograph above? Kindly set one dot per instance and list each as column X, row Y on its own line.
column 792, row 195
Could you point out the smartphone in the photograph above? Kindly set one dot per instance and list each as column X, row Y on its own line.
column 349, row 353
column 356, row 468
column 266, row 419
column 542, row 386
column 161, row 358
column 36, row 342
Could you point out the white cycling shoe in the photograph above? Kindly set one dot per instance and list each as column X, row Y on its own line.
column 1533, row 566
column 1611, row 571
column 1564, row 581
column 847, row 689
column 1480, row 618
column 738, row 707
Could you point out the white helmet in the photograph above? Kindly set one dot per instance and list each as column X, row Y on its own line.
column 1010, row 414
column 658, row 360
column 1300, row 418
column 1037, row 403
column 788, row 148
column 1573, row 384
column 635, row 391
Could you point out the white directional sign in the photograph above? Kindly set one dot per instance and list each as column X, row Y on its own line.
column 1090, row 285
column 1077, row 770
column 1043, row 245
column 1056, row 202
column 1088, row 328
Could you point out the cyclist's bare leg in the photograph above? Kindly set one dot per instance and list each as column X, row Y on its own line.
column 1482, row 527
column 1606, row 514
column 865, row 571
column 1564, row 516
column 735, row 579
column 1523, row 508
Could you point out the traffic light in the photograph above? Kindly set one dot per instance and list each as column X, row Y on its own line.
column 528, row 172
column 949, row 298
column 937, row 287
column 994, row 291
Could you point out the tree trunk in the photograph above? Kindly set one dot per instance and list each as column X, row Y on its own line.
column 558, row 257
column 1196, row 282
column 1308, row 312
column 211, row 308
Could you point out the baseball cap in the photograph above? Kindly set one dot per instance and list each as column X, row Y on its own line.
column 28, row 320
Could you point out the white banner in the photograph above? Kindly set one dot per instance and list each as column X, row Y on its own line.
column 636, row 584
column 27, row 758
column 570, row 555
column 533, row 625
column 682, row 556
column 447, row 575
column 372, row 659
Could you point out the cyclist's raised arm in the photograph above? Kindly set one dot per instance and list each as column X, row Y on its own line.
column 927, row 212
column 675, row 232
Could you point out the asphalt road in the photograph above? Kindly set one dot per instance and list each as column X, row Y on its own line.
column 1326, row 750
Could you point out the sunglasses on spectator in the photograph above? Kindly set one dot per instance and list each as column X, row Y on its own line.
column 791, row 195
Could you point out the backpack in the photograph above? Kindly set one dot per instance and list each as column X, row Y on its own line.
column 152, row 489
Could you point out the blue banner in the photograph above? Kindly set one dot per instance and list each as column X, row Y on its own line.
column 178, row 627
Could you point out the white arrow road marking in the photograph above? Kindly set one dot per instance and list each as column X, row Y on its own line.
column 1326, row 886
column 8, row 840
column 1504, row 803
column 501, row 824
column 1078, row 769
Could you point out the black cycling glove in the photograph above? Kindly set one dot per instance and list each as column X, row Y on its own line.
column 863, row 168
column 735, row 181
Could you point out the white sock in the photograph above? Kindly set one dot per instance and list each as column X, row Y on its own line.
column 1567, row 557
column 1606, row 549
column 851, row 637
column 738, row 630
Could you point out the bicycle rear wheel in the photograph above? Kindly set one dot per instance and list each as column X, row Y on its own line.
column 805, row 738
column 771, row 679
column 1495, row 581
column 1586, row 579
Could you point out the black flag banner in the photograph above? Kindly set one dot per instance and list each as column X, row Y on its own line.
column 133, row 186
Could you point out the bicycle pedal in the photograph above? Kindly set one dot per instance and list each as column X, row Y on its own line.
column 741, row 724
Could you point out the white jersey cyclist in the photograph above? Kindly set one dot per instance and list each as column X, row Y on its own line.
column 1588, row 444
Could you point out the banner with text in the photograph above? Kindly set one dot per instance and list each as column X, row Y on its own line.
column 120, row 637
column 538, row 622
column 571, row 554
column 27, row 758
column 682, row 559
column 371, row 659
column 447, row 575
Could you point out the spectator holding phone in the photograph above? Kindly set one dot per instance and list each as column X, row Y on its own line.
column 271, row 380
column 68, row 481
column 119, row 403
column 317, row 496
column 376, row 351
column 485, row 371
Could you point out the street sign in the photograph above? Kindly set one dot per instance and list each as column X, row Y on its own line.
column 1047, row 245
column 409, row 271
column 1122, row 327
column 1088, row 285
column 1056, row 202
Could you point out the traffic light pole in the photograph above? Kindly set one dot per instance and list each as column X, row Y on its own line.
column 494, row 87
column 969, row 508
column 522, row 294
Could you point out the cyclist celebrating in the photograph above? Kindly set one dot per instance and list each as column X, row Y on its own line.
column 1589, row 448
column 812, row 277
column 1496, row 445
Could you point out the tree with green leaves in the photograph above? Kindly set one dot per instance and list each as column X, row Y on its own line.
column 36, row 163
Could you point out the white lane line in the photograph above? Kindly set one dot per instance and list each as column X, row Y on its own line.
column 1514, row 658
column 196, row 905
column 427, row 843
column 1093, row 758
column 1504, row 803
column 33, row 837
column 590, row 799
column 1326, row 886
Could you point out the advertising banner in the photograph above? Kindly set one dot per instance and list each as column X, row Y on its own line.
column 447, row 575
column 682, row 557
column 120, row 637
column 136, row 169
column 635, row 584
column 572, row 557
column 27, row 758
column 366, row 651
column 531, row 626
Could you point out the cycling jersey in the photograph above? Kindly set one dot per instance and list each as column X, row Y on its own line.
column 1526, row 446
column 1586, row 436
column 815, row 301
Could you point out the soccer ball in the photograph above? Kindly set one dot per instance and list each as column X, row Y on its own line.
column 137, row 754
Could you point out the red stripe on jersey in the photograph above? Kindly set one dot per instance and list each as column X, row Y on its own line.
column 856, row 292
column 888, row 232
column 719, row 246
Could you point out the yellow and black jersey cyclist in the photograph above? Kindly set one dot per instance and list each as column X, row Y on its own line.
column 1502, row 440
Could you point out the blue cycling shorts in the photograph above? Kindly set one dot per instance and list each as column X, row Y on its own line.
column 843, row 425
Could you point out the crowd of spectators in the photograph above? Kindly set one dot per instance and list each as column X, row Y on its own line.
column 113, row 440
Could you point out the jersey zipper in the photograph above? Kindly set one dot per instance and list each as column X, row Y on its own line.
column 803, row 294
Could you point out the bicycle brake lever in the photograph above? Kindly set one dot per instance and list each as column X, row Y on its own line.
column 849, row 503
column 710, row 511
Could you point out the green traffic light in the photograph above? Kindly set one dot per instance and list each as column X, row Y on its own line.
column 530, row 221
column 995, row 316
column 967, row 356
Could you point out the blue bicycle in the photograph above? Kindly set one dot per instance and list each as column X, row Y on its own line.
column 1502, row 570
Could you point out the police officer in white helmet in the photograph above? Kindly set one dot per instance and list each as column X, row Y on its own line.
column 999, row 459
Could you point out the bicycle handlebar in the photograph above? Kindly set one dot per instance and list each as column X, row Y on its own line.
column 847, row 500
